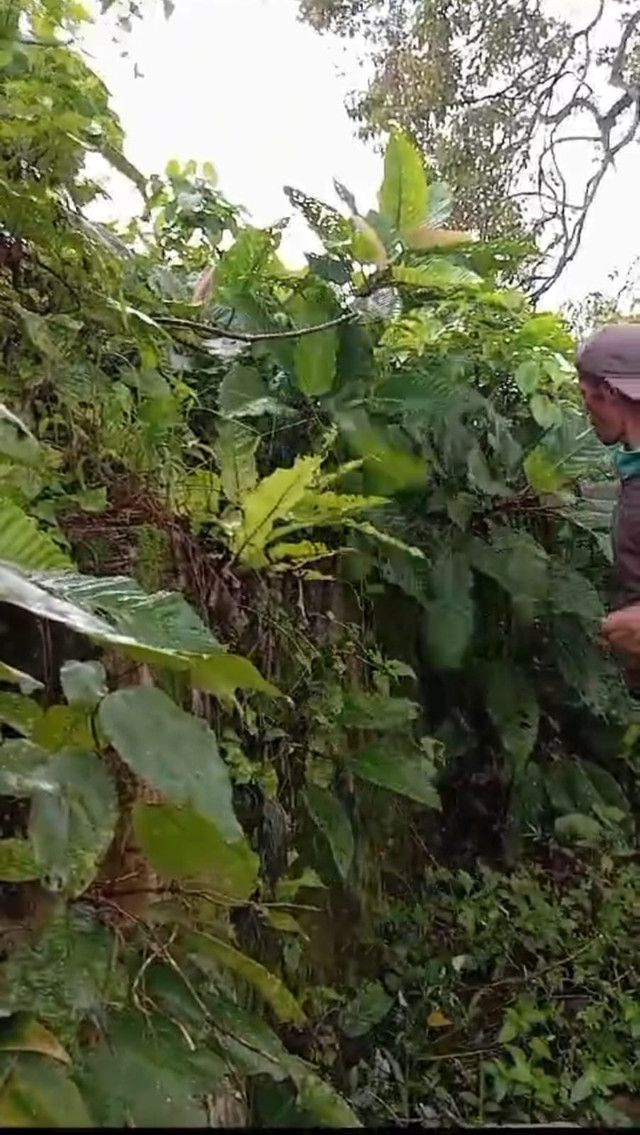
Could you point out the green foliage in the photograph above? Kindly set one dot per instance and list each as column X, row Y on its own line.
column 527, row 989
column 182, row 844
column 332, row 820
column 130, row 718
column 360, row 482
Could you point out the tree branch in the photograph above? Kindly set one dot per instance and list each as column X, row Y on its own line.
column 215, row 331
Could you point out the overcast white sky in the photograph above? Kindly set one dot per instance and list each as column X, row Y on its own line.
column 243, row 84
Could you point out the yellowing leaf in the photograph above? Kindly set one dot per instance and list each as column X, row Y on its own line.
column 367, row 246
column 63, row 727
column 180, row 844
column 26, row 1035
column 36, row 1092
column 542, row 472
column 271, row 500
column 424, row 237
column 284, row 922
column 27, row 684
column 404, row 195
column 437, row 1020
column 302, row 552
column 270, row 987
column 222, row 674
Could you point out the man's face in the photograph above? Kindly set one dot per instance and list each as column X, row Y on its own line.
column 604, row 409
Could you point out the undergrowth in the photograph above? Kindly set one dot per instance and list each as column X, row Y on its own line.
column 318, row 792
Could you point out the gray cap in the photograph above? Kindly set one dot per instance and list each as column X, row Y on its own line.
column 613, row 353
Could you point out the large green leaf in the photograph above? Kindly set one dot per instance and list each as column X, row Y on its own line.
column 323, row 1104
column 66, row 973
column 222, row 674
column 330, row 817
column 253, row 1047
column 571, row 593
column 361, row 710
column 578, row 828
column 388, row 468
column 404, row 193
column 584, row 667
column 71, row 829
column 83, row 683
column 38, row 1092
column 243, row 263
column 46, row 597
column 408, row 774
column 248, row 1042
column 173, row 751
column 450, row 614
column 433, row 392
column 243, row 393
column 514, row 709
column 235, row 451
column 19, row 712
column 161, row 629
column 270, row 987
column 439, row 205
column 180, row 844
column 409, row 573
column 581, row 786
column 23, row 769
column 22, row 543
column 516, row 562
column 149, row 1073
column 543, row 472
column 162, row 620
column 366, row 1010
column 64, row 727
column 316, row 355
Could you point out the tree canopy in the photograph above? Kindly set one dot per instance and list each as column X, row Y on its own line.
column 504, row 98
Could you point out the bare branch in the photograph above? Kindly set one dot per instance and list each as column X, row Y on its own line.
column 215, row 331
column 502, row 91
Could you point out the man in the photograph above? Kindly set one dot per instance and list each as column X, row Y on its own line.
column 609, row 372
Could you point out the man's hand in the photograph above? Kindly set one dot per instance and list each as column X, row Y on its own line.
column 621, row 630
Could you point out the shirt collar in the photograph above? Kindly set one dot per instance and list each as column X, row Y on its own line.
column 627, row 463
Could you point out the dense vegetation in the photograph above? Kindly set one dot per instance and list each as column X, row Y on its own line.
column 318, row 790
